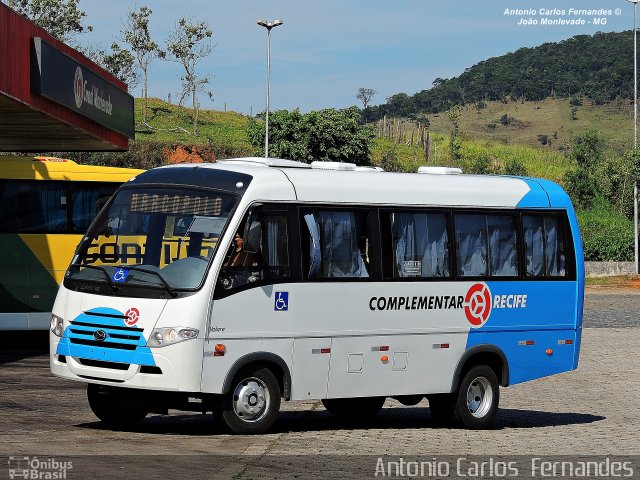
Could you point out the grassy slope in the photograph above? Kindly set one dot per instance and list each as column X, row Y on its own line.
column 516, row 141
column 550, row 117
column 540, row 162
column 172, row 123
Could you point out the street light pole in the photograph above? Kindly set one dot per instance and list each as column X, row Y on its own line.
column 269, row 26
column 635, row 136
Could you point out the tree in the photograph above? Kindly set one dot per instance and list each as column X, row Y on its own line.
column 365, row 95
column 187, row 45
column 61, row 18
column 143, row 48
column 581, row 182
column 455, row 144
column 119, row 62
column 329, row 134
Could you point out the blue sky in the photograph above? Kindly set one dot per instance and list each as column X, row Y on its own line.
column 327, row 49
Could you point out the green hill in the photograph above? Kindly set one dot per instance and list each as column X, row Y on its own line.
column 594, row 66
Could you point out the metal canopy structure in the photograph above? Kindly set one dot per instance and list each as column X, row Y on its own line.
column 53, row 98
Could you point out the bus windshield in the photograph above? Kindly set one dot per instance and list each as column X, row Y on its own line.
column 161, row 238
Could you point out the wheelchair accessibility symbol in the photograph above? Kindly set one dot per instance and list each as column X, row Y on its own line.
column 120, row 275
column 281, row 302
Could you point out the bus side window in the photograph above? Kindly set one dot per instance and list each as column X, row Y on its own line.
column 86, row 200
column 419, row 242
column 337, row 244
column 486, row 245
column 259, row 251
column 544, row 243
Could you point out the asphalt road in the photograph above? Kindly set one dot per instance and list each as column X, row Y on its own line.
column 590, row 411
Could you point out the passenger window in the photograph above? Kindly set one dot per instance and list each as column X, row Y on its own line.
column 259, row 251
column 336, row 244
column 86, row 200
column 33, row 207
column 486, row 245
column 419, row 243
column 544, row 243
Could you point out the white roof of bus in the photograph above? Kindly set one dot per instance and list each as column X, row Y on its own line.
column 332, row 186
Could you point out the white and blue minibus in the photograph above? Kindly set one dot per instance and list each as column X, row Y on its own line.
column 230, row 287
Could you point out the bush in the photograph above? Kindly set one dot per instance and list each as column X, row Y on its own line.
column 481, row 165
column 515, row 168
column 605, row 235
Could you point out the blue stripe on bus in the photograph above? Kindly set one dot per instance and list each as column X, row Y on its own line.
column 141, row 355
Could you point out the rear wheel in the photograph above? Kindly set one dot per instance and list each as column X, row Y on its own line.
column 477, row 398
column 253, row 403
column 354, row 408
column 117, row 409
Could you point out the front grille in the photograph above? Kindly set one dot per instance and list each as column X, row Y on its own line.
column 151, row 370
column 105, row 344
column 118, row 337
column 102, row 364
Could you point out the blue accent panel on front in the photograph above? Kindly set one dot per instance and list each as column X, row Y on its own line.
column 548, row 315
column 537, row 196
column 115, row 348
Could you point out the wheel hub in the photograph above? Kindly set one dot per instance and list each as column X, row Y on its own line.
column 251, row 399
column 479, row 397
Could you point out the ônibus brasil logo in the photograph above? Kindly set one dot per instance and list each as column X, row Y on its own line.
column 477, row 304
column 78, row 87
column 133, row 315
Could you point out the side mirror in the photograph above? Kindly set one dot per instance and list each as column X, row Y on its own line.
column 252, row 238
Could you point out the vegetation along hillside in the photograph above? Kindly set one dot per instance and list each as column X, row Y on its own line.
column 595, row 66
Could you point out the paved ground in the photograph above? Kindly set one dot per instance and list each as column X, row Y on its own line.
column 593, row 410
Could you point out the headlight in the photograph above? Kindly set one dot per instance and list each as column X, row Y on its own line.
column 161, row 337
column 57, row 325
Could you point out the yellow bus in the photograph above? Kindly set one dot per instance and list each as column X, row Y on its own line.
column 46, row 206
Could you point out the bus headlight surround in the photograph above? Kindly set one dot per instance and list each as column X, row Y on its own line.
column 57, row 325
column 161, row 337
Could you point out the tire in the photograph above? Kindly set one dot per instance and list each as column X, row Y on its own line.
column 354, row 408
column 441, row 407
column 477, row 398
column 121, row 411
column 252, row 404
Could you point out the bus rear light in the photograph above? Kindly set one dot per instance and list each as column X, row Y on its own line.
column 526, row 342
column 440, row 345
column 219, row 350
column 565, row 342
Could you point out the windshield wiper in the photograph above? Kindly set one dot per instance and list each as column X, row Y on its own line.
column 171, row 291
column 113, row 286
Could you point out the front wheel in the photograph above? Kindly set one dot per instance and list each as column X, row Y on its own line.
column 477, row 398
column 120, row 411
column 253, row 403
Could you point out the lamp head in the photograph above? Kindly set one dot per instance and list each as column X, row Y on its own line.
column 275, row 23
